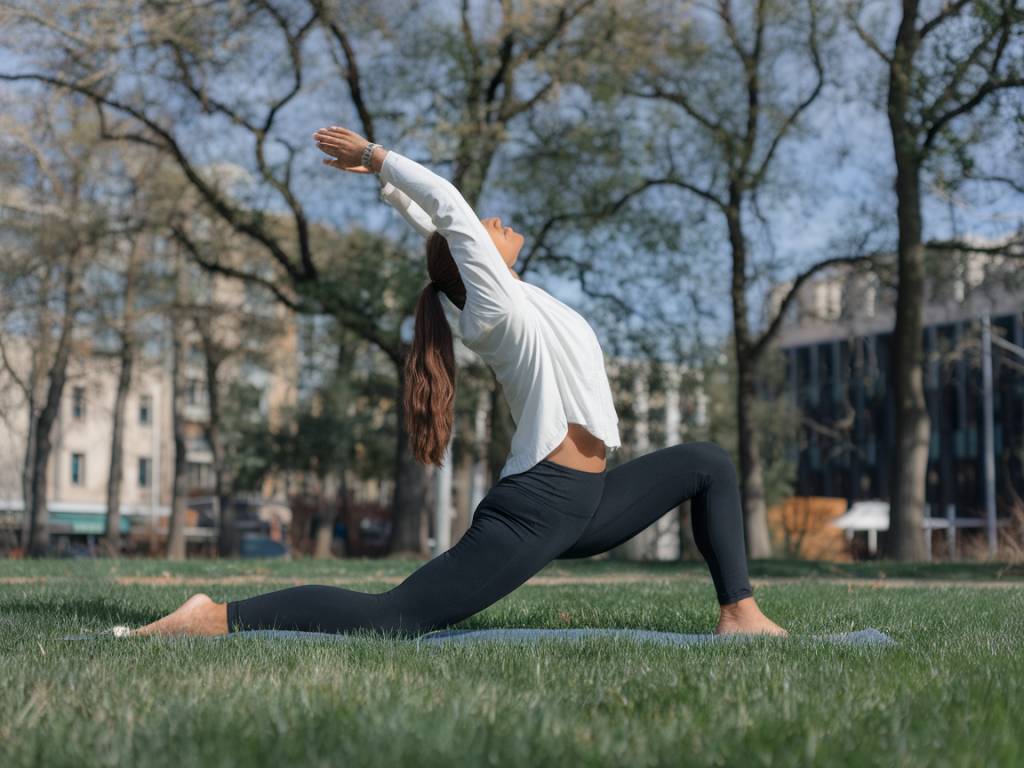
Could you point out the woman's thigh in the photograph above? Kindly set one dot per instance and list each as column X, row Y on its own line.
column 520, row 526
column 640, row 491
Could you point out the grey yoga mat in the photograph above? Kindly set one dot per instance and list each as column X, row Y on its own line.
column 869, row 636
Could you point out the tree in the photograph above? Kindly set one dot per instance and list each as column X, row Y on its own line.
column 128, row 291
column 724, row 91
column 947, row 73
column 177, row 320
column 112, row 536
column 58, row 229
column 233, row 336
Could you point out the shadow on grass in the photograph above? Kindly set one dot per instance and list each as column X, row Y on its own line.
column 101, row 610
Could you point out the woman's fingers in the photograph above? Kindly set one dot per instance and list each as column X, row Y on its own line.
column 329, row 149
column 330, row 142
column 336, row 133
column 332, row 146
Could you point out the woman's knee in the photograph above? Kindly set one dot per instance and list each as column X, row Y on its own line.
column 719, row 461
column 397, row 613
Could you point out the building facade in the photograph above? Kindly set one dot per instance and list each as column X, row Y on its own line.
column 836, row 340
column 79, row 465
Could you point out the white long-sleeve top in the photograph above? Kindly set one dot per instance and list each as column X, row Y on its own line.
column 546, row 356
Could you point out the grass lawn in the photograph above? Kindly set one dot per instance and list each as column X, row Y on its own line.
column 952, row 692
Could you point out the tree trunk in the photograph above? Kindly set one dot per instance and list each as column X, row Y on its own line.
column 26, row 465
column 904, row 539
column 502, row 428
column 176, row 527
column 751, row 476
column 227, row 535
column 410, row 502
column 112, row 539
column 39, row 354
column 325, row 515
column 38, row 539
column 750, row 472
column 344, row 510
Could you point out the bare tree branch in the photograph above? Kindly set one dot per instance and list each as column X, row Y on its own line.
column 794, row 115
column 1015, row 184
column 679, row 99
column 608, row 209
column 352, row 75
column 948, row 10
column 213, row 266
column 246, row 224
column 9, row 367
column 1012, row 248
column 762, row 342
column 934, row 117
column 868, row 40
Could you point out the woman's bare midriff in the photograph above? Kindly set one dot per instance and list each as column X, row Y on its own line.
column 580, row 450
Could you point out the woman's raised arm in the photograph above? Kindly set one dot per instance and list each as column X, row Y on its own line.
column 492, row 292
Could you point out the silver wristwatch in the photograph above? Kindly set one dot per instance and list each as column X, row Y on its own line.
column 368, row 153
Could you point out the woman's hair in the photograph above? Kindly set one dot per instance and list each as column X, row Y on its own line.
column 429, row 397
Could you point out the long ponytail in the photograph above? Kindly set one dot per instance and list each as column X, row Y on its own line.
column 429, row 397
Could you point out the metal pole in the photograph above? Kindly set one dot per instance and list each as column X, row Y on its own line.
column 951, row 531
column 989, row 457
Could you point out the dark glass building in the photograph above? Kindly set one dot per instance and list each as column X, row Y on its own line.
column 841, row 384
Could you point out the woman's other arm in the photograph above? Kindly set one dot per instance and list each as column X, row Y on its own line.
column 412, row 213
column 491, row 289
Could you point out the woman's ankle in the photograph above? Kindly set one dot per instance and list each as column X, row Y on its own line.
column 745, row 605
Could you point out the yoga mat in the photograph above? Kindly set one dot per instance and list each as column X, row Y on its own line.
column 869, row 636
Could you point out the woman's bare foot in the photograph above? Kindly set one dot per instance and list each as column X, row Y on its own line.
column 199, row 615
column 744, row 617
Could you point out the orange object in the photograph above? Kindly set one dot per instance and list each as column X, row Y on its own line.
column 801, row 527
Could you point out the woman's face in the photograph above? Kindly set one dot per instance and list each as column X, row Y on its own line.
column 506, row 239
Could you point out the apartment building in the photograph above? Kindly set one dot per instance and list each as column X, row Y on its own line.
column 79, row 466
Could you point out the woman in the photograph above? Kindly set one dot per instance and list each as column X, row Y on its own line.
column 553, row 498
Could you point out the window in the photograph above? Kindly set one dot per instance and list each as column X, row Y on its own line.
column 145, row 472
column 145, row 409
column 195, row 392
column 199, row 475
column 78, row 469
column 195, row 354
column 78, row 402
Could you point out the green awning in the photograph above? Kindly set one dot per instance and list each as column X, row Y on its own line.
column 87, row 522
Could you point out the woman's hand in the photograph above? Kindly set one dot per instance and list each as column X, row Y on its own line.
column 345, row 148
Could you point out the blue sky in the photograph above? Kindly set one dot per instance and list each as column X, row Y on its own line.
column 840, row 164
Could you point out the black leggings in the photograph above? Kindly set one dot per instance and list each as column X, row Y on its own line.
column 523, row 523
